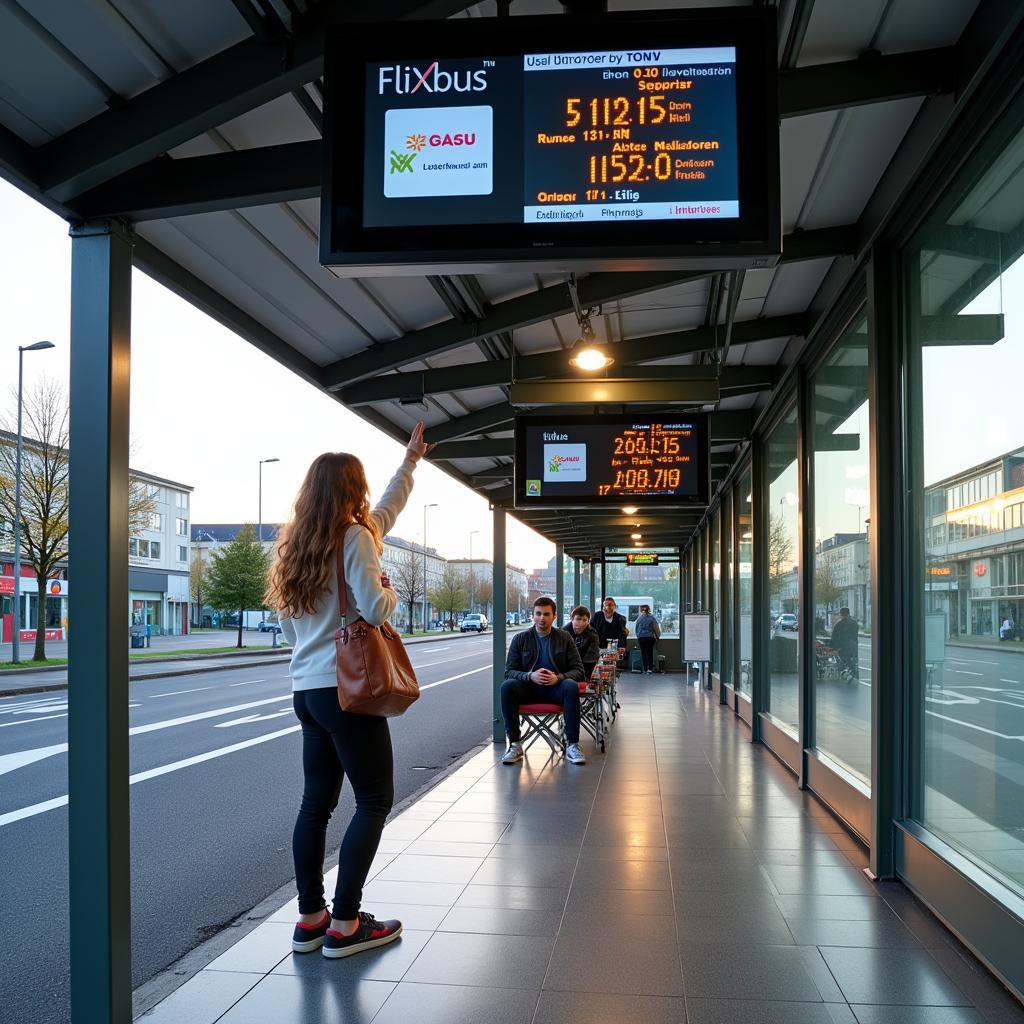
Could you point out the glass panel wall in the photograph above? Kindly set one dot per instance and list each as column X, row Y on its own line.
column 841, row 455
column 714, row 605
column 964, row 281
column 783, row 700
column 727, row 590
column 654, row 585
column 744, row 520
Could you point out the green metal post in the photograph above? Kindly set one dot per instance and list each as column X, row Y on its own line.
column 498, row 633
column 559, row 584
column 98, row 812
column 576, row 583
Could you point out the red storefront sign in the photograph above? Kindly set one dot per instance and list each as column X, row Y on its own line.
column 27, row 635
column 6, row 584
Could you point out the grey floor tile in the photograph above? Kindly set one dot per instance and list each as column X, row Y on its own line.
column 513, row 897
column 410, row 867
column 413, row 916
column 617, row 854
column 975, row 981
column 774, row 972
column 405, row 828
column 612, row 902
column 586, row 920
column 386, row 963
column 606, row 1008
column 763, row 928
column 627, row 874
column 455, row 1004
column 928, row 930
column 379, row 893
column 259, row 952
column 808, row 879
column 635, row 968
column 712, row 877
column 492, row 921
column 896, row 976
column 463, row 831
column 917, row 1015
column 746, row 1011
column 877, row 934
column 284, row 999
column 710, row 903
column 834, row 908
column 539, row 872
column 827, row 858
column 545, row 851
column 820, row 974
column 502, row 961
column 202, row 999
column 433, row 848
column 519, row 833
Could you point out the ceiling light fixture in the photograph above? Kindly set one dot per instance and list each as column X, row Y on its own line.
column 588, row 353
column 628, row 509
column 636, row 536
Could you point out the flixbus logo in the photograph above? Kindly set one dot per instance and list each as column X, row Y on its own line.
column 404, row 79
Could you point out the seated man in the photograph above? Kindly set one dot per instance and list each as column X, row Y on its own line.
column 543, row 667
column 610, row 625
column 588, row 643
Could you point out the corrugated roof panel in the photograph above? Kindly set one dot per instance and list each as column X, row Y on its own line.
column 794, row 287
column 802, row 141
column 274, row 124
column 840, row 30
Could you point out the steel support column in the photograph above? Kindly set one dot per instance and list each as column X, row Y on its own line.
column 576, row 582
column 498, row 625
column 98, row 811
column 806, row 676
column 759, row 568
column 559, row 583
column 592, row 597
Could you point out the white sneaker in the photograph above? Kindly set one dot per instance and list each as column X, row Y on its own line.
column 513, row 754
column 574, row 755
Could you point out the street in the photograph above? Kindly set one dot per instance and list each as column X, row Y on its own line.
column 216, row 781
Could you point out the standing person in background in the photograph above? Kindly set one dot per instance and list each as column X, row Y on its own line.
column 648, row 633
column 610, row 625
column 331, row 522
column 587, row 641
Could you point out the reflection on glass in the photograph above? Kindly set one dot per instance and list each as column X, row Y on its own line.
column 742, row 505
column 965, row 293
column 656, row 585
column 727, row 592
column 842, row 570
column 714, row 604
column 783, row 574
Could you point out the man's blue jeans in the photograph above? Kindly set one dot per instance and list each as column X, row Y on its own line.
column 566, row 693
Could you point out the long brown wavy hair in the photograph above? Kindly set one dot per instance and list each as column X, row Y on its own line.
column 333, row 496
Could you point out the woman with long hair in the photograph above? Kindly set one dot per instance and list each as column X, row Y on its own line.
column 332, row 520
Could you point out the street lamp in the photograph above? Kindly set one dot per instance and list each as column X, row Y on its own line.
column 15, row 640
column 433, row 504
column 259, row 534
column 471, row 580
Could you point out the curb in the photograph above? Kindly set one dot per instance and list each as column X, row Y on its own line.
column 1005, row 648
column 151, row 993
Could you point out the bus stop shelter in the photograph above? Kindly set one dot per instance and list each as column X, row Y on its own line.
column 184, row 140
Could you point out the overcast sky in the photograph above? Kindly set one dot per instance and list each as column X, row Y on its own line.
column 206, row 406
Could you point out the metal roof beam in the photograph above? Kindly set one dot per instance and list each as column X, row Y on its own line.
column 218, row 89
column 485, row 448
column 873, row 78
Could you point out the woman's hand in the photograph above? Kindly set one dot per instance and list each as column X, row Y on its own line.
column 417, row 447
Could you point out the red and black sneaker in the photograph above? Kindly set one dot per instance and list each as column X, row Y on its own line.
column 368, row 934
column 308, row 937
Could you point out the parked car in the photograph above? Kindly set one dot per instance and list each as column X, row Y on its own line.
column 786, row 621
column 475, row 622
column 269, row 627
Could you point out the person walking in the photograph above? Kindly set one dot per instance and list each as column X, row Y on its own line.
column 648, row 633
column 845, row 642
column 332, row 520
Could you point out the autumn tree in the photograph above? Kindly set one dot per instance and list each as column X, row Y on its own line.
column 450, row 595
column 827, row 589
column 44, row 489
column 237, row 576
column 407, row 580
column 198, row 578
column 484, row 592
column 780, row 552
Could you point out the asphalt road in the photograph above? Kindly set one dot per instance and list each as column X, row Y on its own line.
column 215, row 762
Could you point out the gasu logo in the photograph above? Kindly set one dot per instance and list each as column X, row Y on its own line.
column 405, row 79
column 401, row 163
column 556, row 462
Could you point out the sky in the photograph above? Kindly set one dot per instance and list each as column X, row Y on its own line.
column 206, row 406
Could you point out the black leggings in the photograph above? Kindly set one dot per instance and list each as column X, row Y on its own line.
column 336, row 743
column 646, row 645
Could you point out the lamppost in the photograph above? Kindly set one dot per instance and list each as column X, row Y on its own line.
column 472, row 581
column 433, row 504
column 259, row 535
column 41, row 598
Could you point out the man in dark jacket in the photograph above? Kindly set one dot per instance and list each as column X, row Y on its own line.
column 588, row 643
column 845, row 642
column 543, row 667
column 610, row 625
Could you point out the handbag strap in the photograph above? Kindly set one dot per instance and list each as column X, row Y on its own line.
column 342, row 587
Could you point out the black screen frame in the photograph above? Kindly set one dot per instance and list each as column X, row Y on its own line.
column 610, row 501
column 753, row 239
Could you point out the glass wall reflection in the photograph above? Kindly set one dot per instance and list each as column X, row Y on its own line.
column 716, row 593
column 965, row 295
column 744, row 522
column 727, row 592
column 841, row 454
column 783, row 574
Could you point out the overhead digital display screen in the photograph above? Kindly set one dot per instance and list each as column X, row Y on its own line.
column 606, row 460
column 641, row 558
column 546, row 140
column 607, row 136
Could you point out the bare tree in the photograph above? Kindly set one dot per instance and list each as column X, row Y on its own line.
column 450, row 595
column 484, row 593
column 780, row 552
column 827, row 589
column 407, row 579
column 44, row 490
column 198, row 579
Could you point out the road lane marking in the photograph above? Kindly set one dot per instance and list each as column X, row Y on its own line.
column 451, row 679
column 201, row 715
column 247, row 719
column 1016, row 682
column 9, row 762
column 152, row 773
column 29, row 721
column 969, row 725
column 176, row 693
column 964, row 672
column 248, row 682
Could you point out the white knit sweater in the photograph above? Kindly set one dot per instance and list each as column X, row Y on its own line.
column 312, row 636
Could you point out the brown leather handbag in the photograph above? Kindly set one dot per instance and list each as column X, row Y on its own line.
column 375, row 675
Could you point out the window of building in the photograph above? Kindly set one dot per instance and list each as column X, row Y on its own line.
column 964, row 775
column 156, row 521
column 133, row 547
column 783, row 549
column 181, row 499
column 841, row 456
column 181, row 526
column 182, row 553
column 154, row 549
column 742, row 508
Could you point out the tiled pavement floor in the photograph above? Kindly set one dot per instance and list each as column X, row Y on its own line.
column 681, row 877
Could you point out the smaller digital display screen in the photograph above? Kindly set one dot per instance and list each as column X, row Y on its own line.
column 641, row 558
column 605, row 460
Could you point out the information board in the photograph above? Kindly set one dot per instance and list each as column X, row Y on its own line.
column 528, row 134
column 605, row 460
column 697, row 636
column 641, row 558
